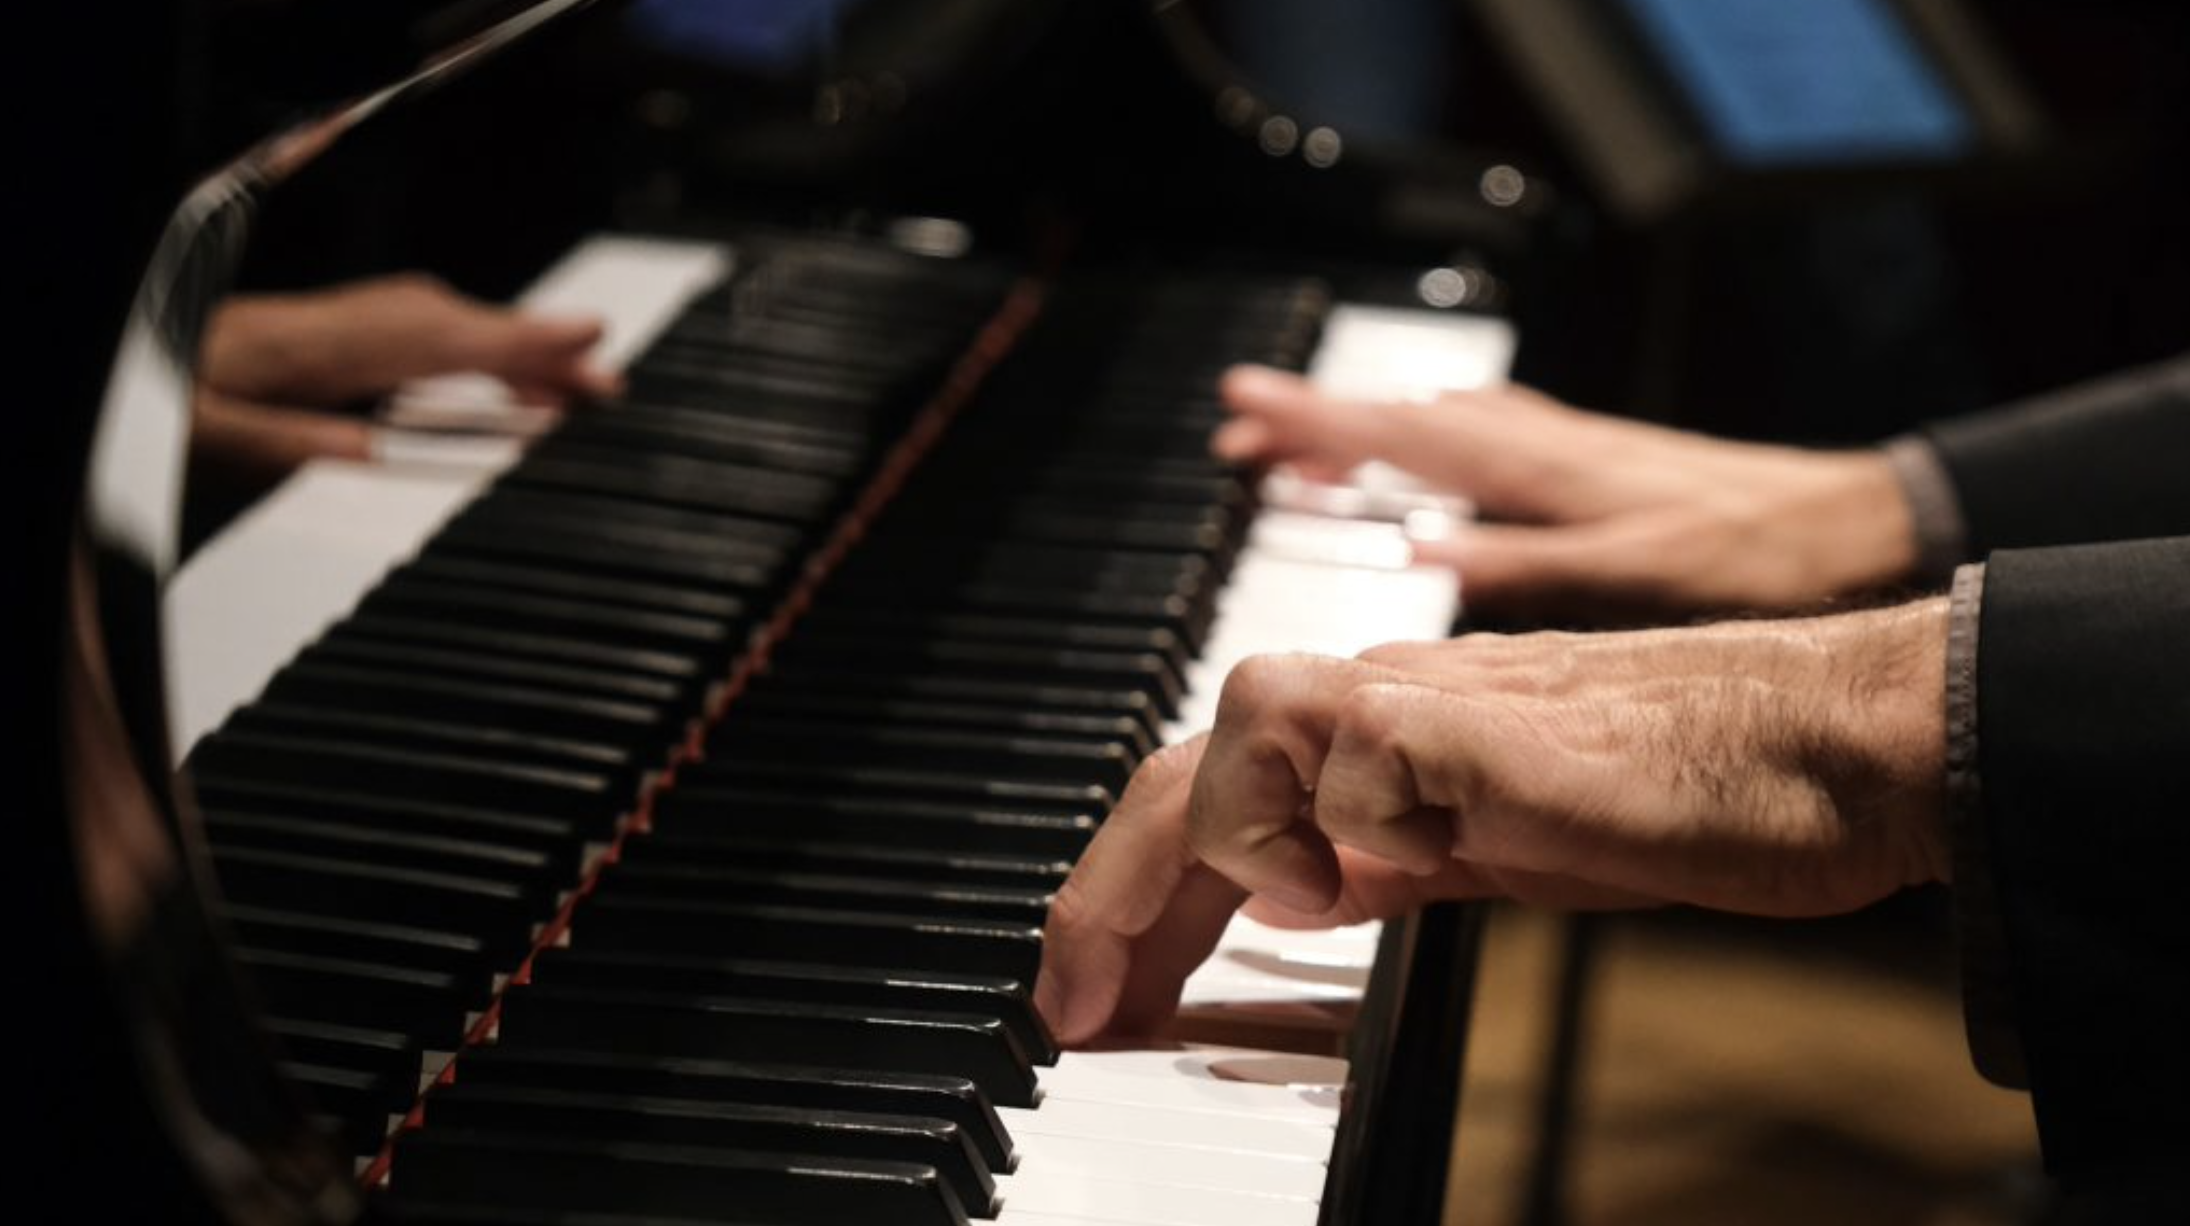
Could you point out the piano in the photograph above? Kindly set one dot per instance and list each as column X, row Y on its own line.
column 674, row 797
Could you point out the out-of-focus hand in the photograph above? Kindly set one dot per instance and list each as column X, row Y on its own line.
column 335, row 346
column 1600, row 516
column 245, row 445
column 1771, row 768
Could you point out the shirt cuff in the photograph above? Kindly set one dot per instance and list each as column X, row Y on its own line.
column 1935, row 509
column 1987, row 1002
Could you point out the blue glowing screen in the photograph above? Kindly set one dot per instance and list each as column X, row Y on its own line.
column 757, row 34
column 1781, row 82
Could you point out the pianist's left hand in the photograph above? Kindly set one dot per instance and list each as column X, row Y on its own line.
column 1770, row 767
column 276, row 367
column 1599, row 518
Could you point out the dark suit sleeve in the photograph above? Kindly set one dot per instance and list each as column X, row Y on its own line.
column 2083, row 744
column 2106, row 461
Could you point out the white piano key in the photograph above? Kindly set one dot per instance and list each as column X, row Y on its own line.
column 1376, row 353
column 1279, row 602
column 1012, row 1217
column 1196, row 1081
column 1167, row 1126
column 635, row 285
column 1147, row 1204
column 1166, row 1166
column 485, row 453
column 289, row 568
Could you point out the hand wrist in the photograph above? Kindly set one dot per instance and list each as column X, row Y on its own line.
column 1878, row 741
column 1868, row 525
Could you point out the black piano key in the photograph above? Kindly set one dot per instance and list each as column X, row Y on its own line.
column 621, row 764
column 611, row 548
column 350, row 939
column 491, row 658
column 589, row 798
column 992, row 628
column 1200, row 485
column 526, row 613
column 751, row 776
column 980, row 754
column 813, row 934
column 701, row 810
column 1143, row 672
column 956, row 1099
column 765, row 702
column 720, row 1186
column 713, row 534
column 499, row 913
column 676, row 482
column 559, row 839
column 788, row 394
column 367, row 845
column 713, row 436
column 690, row 600
column 1004, row 999
column 579, row 663
column 355, row 1102
column 547, row 715
column 832, row 891
column 427, row 1004
column 981, row 1049
column 1129, row 529
column 794, row 854
column 936, row 568
column 583, row 1115
column 392, row 1055
column 818, row 678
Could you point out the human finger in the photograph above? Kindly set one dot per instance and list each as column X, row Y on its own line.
column 1367, row 796
column 1249, row 813
column 1514, row 451
column 243, row 438
column 1118, row 893
column 1281, row 417
column 547, row 357
column 1591, row 570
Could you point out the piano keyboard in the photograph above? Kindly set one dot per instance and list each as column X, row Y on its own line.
column 797, row 992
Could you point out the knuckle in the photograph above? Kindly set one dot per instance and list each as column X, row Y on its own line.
column 1255, row 684
column 1370, row 719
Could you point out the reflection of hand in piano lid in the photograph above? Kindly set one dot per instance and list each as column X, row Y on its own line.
column 725, row 832
column 278, row 373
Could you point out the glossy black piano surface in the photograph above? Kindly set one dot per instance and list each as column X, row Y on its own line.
column 702, row 782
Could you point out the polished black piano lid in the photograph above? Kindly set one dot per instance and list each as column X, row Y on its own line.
column 200, row 1113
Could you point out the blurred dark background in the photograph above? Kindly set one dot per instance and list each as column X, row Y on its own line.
column 1837, row 317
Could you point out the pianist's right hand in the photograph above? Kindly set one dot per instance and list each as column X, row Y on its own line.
column 1767, row 767
column 1599, row 518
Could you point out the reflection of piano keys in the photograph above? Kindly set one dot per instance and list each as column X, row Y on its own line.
column 1096, row 1148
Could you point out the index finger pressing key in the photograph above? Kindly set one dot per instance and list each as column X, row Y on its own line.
column 1122, row 887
